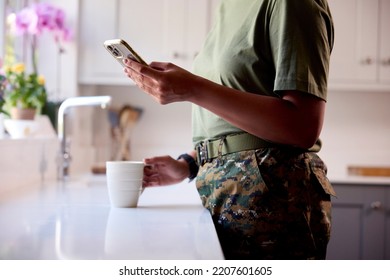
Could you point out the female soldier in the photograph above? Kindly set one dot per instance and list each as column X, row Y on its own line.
column 259, row 90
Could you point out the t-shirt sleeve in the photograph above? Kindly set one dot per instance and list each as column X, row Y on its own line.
column 301, row 39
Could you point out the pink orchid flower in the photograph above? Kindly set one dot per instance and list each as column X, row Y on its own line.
column 41, row 17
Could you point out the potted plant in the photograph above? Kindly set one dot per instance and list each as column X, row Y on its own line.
column 22, row 88
column 23, row 95
column 25, row 90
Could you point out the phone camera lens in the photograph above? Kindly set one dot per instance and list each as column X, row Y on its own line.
column 109, row 48
column 116, row 52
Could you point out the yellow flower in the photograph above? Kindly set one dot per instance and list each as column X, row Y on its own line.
column 41, row 80
column 18, row 68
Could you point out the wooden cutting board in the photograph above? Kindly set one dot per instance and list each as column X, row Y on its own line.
column 380, row 171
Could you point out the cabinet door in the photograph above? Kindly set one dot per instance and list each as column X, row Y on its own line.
column 358, row 223
column 159, row 30
column 354, row 56
column 97, row 24
column 172, row 30
column 384, row 46
column 186, row 26
column 140, row 23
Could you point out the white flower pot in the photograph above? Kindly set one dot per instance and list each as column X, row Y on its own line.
column 20, row 128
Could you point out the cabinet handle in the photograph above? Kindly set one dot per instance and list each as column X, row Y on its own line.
column 367, row 61
column 178, row 55
column 386, row 62
column 376, row 205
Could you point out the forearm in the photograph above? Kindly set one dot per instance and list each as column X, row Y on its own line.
column 280, row 120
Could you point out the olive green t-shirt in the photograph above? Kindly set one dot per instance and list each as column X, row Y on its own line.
column 263, row 47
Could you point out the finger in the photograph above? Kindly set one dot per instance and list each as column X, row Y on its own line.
column 151, row 182
column 152, row 71
column 133, row 64
column 161, row 66
column 144, row 70
column 143, row 82
column 150, row 172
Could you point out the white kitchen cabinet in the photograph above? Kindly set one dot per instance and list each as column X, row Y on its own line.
column 96, row 24
column 360, row 223
column 361, row 54
column 384, row 42
column 159, row 30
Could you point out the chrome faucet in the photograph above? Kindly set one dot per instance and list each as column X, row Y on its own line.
column 64, row 156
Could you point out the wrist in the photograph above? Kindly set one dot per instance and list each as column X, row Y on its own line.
column 193, row 167
column 197, row 92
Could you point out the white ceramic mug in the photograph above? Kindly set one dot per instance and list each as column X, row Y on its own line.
column 124, row 182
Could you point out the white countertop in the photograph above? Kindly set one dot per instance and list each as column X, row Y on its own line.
column 360, row 180
column 75, row 221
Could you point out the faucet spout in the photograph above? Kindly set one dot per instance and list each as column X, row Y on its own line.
column 64, row 157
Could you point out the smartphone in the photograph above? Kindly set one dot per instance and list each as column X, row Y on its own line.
column 120, row 50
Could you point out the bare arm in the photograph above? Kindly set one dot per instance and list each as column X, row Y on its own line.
column 295, row 119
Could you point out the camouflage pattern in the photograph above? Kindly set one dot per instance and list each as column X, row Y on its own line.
column 268, row 204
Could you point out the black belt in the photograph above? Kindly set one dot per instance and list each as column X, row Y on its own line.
column 210, row 149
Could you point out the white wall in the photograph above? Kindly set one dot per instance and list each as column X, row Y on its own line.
column 356, row 131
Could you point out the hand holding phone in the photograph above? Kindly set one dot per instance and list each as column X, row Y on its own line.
column 120, row 50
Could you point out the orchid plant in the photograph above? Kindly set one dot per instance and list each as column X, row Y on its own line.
column 36, row 19
column 18, row 88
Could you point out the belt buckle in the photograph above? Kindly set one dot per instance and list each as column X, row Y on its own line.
column 202, row 153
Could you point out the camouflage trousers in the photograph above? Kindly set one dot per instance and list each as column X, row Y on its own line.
column 268, row 203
